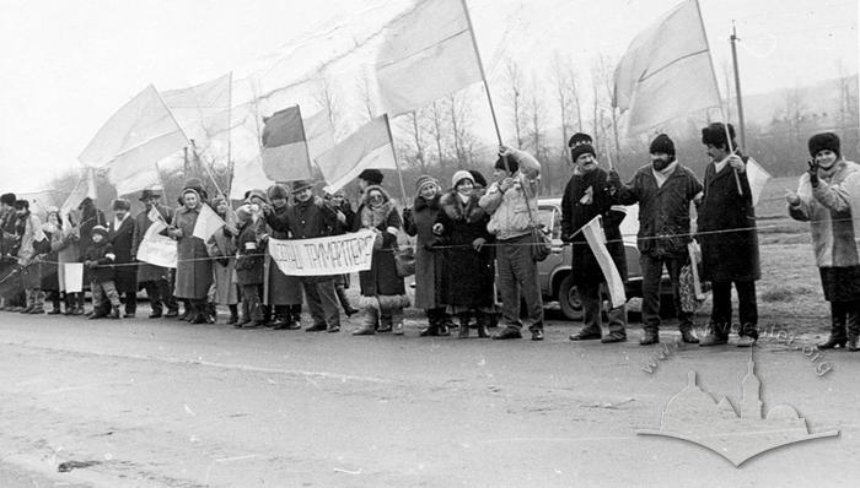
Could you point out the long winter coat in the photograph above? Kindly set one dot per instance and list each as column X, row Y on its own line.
column 145, row 271
column 222, row 249
column 469, row 274
column 194, row 267
column 65, row 244
column 382, row 278
column 125, row 270
column 664, row 211
column 429, row 263
column 282, row 289
column 727, row 256
column 249, row 264
column 579, row 206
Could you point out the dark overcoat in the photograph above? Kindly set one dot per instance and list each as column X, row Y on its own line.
column 125, row 270
column 579, row 206
column 727, row 228
column 251, row 255
column 282, row 289
column 429, row 263
column 469, row 274
column 194, row 266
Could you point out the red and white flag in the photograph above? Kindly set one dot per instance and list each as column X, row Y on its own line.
column 285, row 148
column 596, row 238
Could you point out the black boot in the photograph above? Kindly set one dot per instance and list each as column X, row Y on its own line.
column 718, row 335
column 484, row 320
column 433, row 324
column 650, row 336
column 463, row 318
column 838, row 333
column 852, row 323
column 234, row 314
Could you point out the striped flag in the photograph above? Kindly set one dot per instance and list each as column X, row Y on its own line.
column 757, row 176
column 666, row 72
column 208, row 222
column 596, row 238
column 427, row 54
column 285, row 148
column 368, row 147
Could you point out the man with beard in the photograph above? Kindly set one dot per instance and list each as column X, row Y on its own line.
column 154, row 279
column 664, row 190
column 587, row 196
column 727, row 233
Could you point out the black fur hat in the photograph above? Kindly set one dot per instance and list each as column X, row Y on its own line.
column 372, row 176
column 825, row 140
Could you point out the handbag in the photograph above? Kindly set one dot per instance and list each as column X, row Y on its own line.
column 540, row 243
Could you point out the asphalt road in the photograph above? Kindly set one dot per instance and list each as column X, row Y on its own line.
column 167, row 404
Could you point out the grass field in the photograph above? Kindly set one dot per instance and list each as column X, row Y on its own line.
column 789, row 293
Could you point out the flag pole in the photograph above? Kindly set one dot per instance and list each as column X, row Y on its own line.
column 722, row 105
column 230, row 136
column 396, row 160
column 734, row 38
column 483, row 74
column 305, row 138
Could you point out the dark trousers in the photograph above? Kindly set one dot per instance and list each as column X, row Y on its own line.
column 251, row 304
column 518, row 277
column 652, row 275
column 322, row 300
column 160, row 296
column 747, row 308
column 129, row 298
column 591, row 296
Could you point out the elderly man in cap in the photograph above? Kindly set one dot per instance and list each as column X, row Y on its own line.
column 664, row 190
column 120, row 237
column 154, row 279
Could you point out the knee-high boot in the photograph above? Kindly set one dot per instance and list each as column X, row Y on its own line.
column 838, row 332
column 852, row 323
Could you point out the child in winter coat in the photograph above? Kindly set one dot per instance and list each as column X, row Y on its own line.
column 99, row 259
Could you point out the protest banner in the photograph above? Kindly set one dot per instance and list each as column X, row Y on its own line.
column 323, row 256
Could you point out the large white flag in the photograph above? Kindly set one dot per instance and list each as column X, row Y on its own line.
column 593, row 232
column 757, row 176
column 203, row 113
column 666, row 71
column 84, row 188
column 133, row 140
column 427, row 53
column 368, row 147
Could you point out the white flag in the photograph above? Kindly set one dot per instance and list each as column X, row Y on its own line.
column 84, row 188
column 207, row 223
column 427, row 54
column 666, row 71
column 203, row 113
column 368, row 147
column 757, row 176
column 133, row 140
column 593, row 232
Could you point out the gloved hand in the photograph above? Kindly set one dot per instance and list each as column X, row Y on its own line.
column 813, row 172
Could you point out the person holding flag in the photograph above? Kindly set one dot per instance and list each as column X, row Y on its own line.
column 664, row 190
column 588, row 195
column 154, row 279
column 194, row 267
column 727, row 234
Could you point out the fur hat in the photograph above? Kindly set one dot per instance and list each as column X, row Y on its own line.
column 662, row 144
column 512, row 166
column 580, row 149
column 479, row 178
column 101, row 230
column 460, row 176
column 825, row 140
column 121, row 204
column 579, row 138
column 277, row 192
column 22, row 204
column 423, row 180
column 365, row 198
column 372, row 176
column 8, row 199
column 715, row 135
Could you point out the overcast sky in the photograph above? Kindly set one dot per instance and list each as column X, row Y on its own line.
column 67, row 65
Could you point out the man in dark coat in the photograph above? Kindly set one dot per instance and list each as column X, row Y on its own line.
column 728, row 237
column 311, row 217
column 120, row 236
column 588, row 195
column 154, row 279
column 664, row 190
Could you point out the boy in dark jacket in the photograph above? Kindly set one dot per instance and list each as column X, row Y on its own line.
column 99, row 260
column 249, row 267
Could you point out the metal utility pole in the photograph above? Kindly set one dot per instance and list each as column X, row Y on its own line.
column 734, row 38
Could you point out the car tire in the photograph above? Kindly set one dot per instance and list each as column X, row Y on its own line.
column 568, row 299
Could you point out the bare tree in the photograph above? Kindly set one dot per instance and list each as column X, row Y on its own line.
column 515, row 88
column 366, row 95
column 605, row 115
column 419, row 148
column 437, row 129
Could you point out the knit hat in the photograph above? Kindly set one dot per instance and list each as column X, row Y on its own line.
column 460, row 176
column 580, row 149
column 715, row 135
column 100, row 229
column 277, row 192
column 372, row 176
column 825, row 140
column 8, row 199
column 513, row 166
column 121, row 204
column 662, row 144
column 579, row 138
column 255, row 193
column 423, row 180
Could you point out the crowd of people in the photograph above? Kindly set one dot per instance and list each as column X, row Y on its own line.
column 470, row 240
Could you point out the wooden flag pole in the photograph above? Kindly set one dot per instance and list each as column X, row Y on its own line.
column 396, row 160
column 230, row 137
